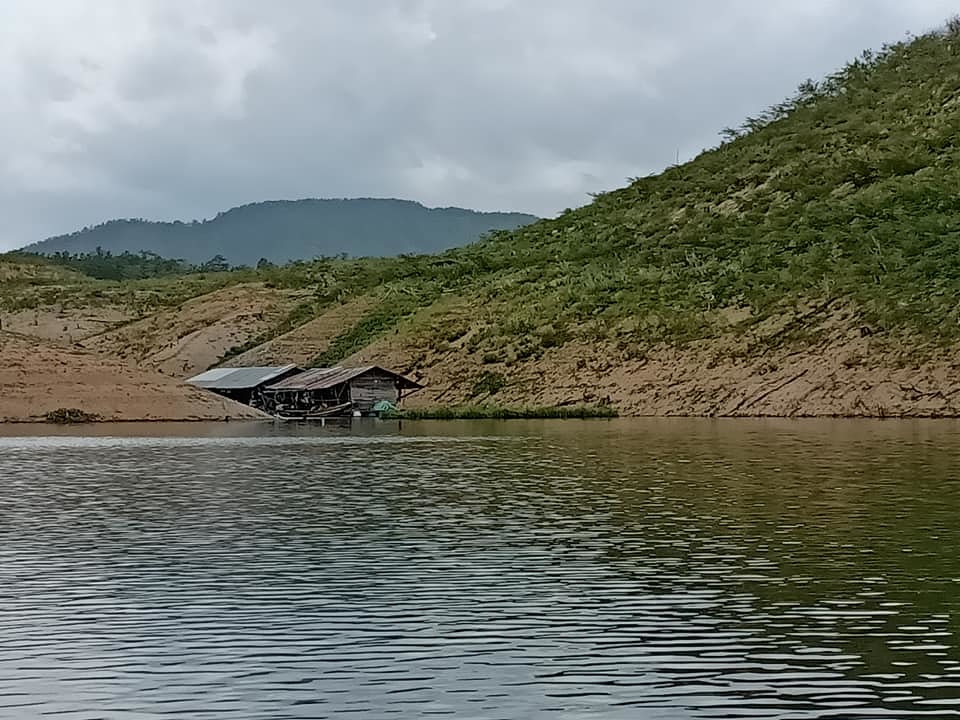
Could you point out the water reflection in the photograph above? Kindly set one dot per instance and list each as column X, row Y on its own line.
column 661, row 569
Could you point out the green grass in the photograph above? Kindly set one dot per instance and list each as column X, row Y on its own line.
column 375, row 323
column 302, row 313
column 371, row 326
column 28, row 282
column 497, row 412
column 488, row 383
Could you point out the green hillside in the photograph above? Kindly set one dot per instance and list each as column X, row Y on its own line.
column 846, row 194
column 282, row 231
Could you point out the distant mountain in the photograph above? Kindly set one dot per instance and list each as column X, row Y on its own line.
column 292, row 230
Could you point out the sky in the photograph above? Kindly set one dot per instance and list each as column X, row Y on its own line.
column 178, row 109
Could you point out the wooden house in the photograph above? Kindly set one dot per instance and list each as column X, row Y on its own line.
column 338, row 391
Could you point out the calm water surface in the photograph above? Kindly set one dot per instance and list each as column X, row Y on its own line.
column 625, row 569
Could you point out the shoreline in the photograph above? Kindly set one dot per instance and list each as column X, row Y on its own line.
column 456, row 415
column 844, row 376
column 134, row 421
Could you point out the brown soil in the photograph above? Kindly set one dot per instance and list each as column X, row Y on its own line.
column 67, row 325
column 38, row 377
column 186, row 340
column 837, row 373
column 306, row 342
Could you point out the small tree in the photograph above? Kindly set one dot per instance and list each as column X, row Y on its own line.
column 218, row 263
column 953, row 26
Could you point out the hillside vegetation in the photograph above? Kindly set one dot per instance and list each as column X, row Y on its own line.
column 281, row 231
column 809, row 264
column 848, row 192
column 845, row 195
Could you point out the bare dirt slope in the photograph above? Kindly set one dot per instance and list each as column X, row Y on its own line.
column 837, row 372
column 306, row 342
column 188, row 339
column 38, row 377
column 67, row 325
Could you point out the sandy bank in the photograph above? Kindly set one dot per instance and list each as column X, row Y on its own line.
column 38, row 377
column 838, row 373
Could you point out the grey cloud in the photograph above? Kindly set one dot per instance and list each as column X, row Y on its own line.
column 180, row 108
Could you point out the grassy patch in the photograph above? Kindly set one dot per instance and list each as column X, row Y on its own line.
column 299, row 315
column 496, row 412
column 371, row 326
column 71, row 416
column 489, row 383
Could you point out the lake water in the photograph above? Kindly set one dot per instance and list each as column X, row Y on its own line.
column 599, row 569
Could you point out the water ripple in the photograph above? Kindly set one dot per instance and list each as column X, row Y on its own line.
column 621, row 570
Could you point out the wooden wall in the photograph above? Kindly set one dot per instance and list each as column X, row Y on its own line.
column 367, row 390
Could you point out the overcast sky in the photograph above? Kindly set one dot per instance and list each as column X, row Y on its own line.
column 171, row 109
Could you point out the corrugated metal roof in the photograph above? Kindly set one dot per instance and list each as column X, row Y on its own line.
column 325, row 378
column 211, row 375
column 243, row 378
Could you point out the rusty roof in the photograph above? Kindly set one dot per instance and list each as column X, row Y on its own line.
column 325, row 378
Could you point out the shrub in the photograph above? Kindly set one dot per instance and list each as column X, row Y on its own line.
column 488, row 383
column 71, row 416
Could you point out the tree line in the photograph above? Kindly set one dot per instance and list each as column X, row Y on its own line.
column 105, row 265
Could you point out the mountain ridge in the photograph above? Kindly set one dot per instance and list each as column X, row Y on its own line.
column 281, row 231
